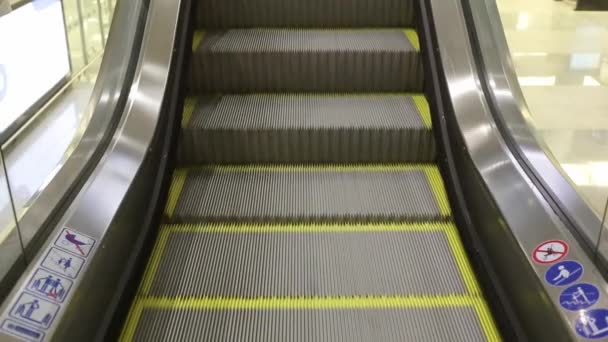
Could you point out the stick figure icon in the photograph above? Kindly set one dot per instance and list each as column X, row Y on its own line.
column 563, row 273
column 71, row 238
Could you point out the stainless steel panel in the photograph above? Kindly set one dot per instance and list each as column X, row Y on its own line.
column 39, row 192
column 528, row 218
column 95, row 207
column 508, row 97
column 11, row 250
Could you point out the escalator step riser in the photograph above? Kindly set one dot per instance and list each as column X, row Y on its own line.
column 307, row 264
column 306, row 146
column 217, row 195
column 305, row 128
column 236, row 61
column 453, row 324
column 224, row 14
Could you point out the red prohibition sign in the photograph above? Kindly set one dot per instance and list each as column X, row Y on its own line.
column 550, row 251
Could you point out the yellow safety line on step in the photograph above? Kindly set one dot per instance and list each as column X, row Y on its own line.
column 487, row 321
column 472, row 298
column 356, row 302
column 177, row 184
column 447, row 227
column 412, row 36
column 452, row 237
column 310, row 303
column 154, row 262
column 460, row 256
column 423, row 108
column 166, row 230
column 189, row 106
column 308, row 228
column 438, row 188
column 128, row 331
column 197, row 39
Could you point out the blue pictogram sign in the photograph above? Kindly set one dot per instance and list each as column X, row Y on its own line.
column 564, row 273
column 49, row 285
column 592, row 324
column 34, row 310
column 62, row 263
column 75, row 242
column 21, row 330
column 579, row 296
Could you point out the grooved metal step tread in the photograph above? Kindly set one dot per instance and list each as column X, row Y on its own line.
column 301, row 128
column 453, row 324
column 292, row 60
column 310, row 13
column 307, row 261
column 309, row 194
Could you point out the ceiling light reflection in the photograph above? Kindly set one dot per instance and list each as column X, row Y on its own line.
column 536, row 81
column 590, row 81
column 588, row 174
column 522, row 21
column 530, row 54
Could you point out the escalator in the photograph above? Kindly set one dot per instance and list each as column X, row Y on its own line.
column 306, row 204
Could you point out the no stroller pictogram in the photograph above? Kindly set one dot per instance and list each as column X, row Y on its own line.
column 550, row 251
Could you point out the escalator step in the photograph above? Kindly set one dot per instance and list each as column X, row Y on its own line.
column 223, row 14
column 299, row 128
column 418, row 323
column 311, row 194
column 293, row 60
column 307, row 260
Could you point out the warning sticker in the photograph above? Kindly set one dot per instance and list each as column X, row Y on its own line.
column 62, row 263
column 75, row 242
column 579, row 296
column 550, row 251
column 49, row 285
column 592, row 324
column 564, row 273
column 34, row 310
column 21, row 330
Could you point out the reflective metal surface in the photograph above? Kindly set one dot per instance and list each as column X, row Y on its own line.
column 39, row 190
column 36, row 148
column 11, row 249
column 36, row 155
column 507, row 97
column 528, row 218
column 95, row 207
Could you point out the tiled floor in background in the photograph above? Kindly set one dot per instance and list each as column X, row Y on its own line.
column 561, row 59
